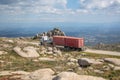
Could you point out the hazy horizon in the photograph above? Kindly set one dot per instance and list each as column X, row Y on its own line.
column 96, row 20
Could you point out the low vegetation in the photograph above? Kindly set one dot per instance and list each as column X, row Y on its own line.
column 13, row 62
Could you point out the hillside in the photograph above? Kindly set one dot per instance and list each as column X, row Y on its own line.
column 24, row 59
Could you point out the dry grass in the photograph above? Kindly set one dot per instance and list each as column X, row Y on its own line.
column 12, row 61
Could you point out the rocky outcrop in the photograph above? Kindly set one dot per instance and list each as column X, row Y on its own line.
column 46, row 74
column 55, row 31
column 28, row 52
column 41, row 74
column 51, row 51
column 74, row 76
column 114, row 61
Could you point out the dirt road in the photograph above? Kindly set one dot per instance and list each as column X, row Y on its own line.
column 103, row 52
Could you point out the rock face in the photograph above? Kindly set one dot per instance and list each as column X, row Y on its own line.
column 41, row 74
column 74, row 76
column 55, row 31
column 28, row 52
column 114, row 61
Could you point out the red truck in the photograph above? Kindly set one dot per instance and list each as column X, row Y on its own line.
column 69, row 42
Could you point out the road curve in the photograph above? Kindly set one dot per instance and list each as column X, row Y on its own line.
column 103, row 52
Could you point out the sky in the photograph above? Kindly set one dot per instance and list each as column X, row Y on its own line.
column 82, row 11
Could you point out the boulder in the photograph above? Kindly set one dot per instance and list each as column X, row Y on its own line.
column 116, row 68
column 9, row 41
column 114, row 61
column 3, row 52
column 73, row 60
column 28, row 52
column 54, row 48
column 74, row 76
column 84, row 62
column 49, row 49
column 58, row 52
column 43, row 52
column 41, row 74
column 95, row 62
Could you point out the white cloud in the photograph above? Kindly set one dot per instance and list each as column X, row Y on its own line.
column 58, row 7
column 33, row 6
column 108, row 6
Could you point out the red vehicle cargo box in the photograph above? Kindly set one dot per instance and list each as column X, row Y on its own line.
column 59, row 40
column 74, row 42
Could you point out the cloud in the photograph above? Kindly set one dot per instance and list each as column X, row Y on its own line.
column 58, row 7
column 101, row 5
column 32, row 6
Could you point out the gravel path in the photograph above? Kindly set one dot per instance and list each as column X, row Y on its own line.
column 103, row 52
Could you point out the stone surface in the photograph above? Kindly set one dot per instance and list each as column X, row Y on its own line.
column 3, row 52
column 3, row 73
column 28, row 52
column 41, row 74
column 84, row 62
column 48, row 52
column 10, row 41
column 49, row 49
column 46, row 59
column 96, row 62
column 74, row 76
column 111, row 66
column 116, row 68
column 73, row 60
column 114, row 61
column 58, row 52
column 70, row 63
